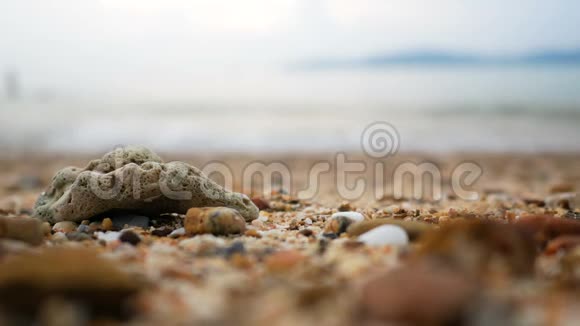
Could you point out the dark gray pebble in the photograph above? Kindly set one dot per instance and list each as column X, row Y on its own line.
column 130, row 237
column 78, row 236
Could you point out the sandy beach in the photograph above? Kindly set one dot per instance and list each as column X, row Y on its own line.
column 508, row 257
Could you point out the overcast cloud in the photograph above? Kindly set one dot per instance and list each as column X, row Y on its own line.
column 67, row 43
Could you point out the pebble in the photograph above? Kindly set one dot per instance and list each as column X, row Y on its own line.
column 263, row 218
column 562, row 243
column 306, row 232
column 546, row 227
column 59, row 237
column 214, row 220
column 64, row 226
column 130, row 237
column 418, row 294
column 344, row 207
column 354, row 216
column 413, row 229
column 68, row 273
column 261, row 203
column 29, row 230
column 293, row 225
column 339, row 222
column 385, row 235
column 94, row 226
column 331, row 236
column 78, row 236
column 534, row 201
column 162, row 231
column 566, row 200
column 392, row 209
column 177, row 233
column 203, row 245
column 572, row 215
column 107, row 224
column 337, row 225
column 481, row 247
column 84, row 228
column 253, row 233
column 108, row 236
column 46, row 229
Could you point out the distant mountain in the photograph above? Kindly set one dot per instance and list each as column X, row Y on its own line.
column 421, row 57
column 557, row 57
column 445, row 58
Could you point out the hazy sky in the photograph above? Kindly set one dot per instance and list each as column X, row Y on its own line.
column 118, row 43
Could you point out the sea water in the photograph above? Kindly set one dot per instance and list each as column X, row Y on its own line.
column 521, row 108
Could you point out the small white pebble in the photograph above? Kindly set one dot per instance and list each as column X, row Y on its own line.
column 177, row 233
column 354, row 216
column 308, row 221
column 385, row 235
column 108, row 236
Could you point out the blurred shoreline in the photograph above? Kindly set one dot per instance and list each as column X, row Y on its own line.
column 521, row 110
column 223, row 130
